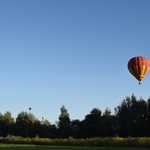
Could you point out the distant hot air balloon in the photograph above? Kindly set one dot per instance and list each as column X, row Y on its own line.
column 139, row 67
column 30, row 108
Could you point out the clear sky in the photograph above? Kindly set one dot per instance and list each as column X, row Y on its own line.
column 72, row 53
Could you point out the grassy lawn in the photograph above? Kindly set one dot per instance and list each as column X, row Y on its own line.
column 31, row 147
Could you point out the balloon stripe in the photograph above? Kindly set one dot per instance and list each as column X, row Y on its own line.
column 147, row 70
column 136, row 68
column 132, row 71
column 139, row 63
column 143, row 70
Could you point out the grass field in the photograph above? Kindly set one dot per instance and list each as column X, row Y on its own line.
column 30, row 147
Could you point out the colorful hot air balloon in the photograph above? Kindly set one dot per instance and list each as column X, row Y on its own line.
column 139, row 67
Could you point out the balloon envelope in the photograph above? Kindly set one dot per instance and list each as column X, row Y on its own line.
column 139, row 67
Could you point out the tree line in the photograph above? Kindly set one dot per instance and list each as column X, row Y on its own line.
column 131, row 118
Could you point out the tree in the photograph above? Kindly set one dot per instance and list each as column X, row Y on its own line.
column 132, row 117
column 125, row 119
column 148, row 118
column 108, row 121
column 141, row 118
column 107, row 112
column 91, row 125
column 24, row 124
column 47, row 129
column 6, row 124
column 64, row 123
column 75, row 126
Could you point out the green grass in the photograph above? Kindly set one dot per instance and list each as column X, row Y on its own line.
column 33, row 147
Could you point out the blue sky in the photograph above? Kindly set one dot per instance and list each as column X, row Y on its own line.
column 72, row 53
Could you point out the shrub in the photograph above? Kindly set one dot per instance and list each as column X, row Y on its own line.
column 90, row 142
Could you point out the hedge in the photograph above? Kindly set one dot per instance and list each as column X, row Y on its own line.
column 90, row 142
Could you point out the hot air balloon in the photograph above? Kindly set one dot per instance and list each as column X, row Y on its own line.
column 30, row 108
column 139, row 67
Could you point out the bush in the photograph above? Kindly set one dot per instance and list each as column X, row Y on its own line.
column 90, row 142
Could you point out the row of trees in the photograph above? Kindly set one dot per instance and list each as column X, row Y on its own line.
column 131, row 118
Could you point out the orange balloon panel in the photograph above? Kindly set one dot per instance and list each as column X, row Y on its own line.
column 139, row 67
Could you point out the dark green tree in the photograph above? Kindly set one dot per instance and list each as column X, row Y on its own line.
column 148, row 118
column 75, row 126
column 132, row 117
column 64, row 123
column 91, row 125
column 140, row 119
column 24, row 124
column 6, row 124
column 47, row 129
column 108, row 124
column 125, row 119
